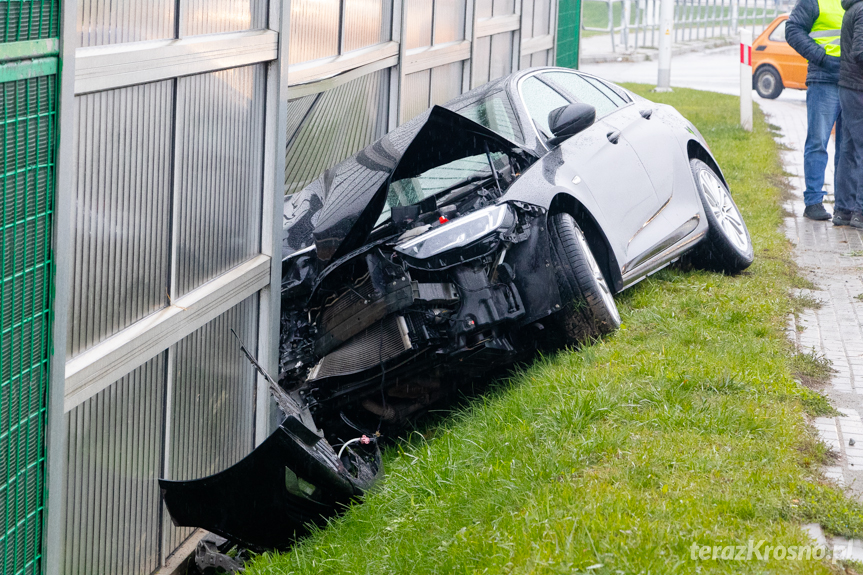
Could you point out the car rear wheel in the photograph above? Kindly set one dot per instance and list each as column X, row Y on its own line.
column 727, row 246
column 768, row 82
column 589, row 310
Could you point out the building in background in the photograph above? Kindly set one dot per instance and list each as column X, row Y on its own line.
column 148, row 146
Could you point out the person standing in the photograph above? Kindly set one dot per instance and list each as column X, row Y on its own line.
column 813, row 31
column 849, row 180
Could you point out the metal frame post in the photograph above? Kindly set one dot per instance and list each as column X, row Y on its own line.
column 64, row 192
column 275, row 144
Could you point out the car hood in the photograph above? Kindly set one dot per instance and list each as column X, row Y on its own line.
column 337, row 211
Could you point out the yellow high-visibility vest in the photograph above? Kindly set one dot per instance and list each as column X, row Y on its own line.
column 828, row 26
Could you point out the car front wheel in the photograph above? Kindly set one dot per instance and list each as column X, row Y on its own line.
column 727, row 246
column 589, row 310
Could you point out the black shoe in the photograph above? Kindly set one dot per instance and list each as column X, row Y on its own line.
column 857, row 221
column 816, row 212
column 842, row 217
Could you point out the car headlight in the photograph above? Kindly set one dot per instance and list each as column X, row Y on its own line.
column 459, row 232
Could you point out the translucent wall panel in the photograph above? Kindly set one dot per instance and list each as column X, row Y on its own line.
column 103, row 22
column 536, row 18
column 314, row 29
column 122, row 210
column 212, row 403
column 500, row 63
column 445, row 82
column 415, row 94
column 214, row 16
column 220, row 120
column 502, row 7
column 537, row 59
column 367, row 22
column 114, row 459
column 483, row 9
column 448, row 20
column 481, row 61
column 326, row 128
column 418, row 23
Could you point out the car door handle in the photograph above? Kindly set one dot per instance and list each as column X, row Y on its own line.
column 761, row 48
column 613, row 136
column 646, row 114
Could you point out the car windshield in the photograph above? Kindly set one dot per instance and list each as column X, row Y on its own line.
column 439, row 179
column 495, row 112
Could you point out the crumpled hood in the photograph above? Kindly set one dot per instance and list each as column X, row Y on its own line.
column 337, row 211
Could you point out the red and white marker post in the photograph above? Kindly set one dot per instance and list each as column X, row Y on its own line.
column 746, row 79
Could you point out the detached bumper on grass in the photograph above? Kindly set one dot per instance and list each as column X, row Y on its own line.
column 293, row 480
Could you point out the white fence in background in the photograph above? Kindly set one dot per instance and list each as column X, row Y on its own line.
column 633, row 24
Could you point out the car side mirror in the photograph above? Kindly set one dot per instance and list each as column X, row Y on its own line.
column 569, row 120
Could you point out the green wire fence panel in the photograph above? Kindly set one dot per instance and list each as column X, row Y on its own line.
column 28, row 107
column 27, row 182
column 28, row 20
column 568, row 28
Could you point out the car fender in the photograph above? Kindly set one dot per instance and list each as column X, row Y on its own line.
column 550, row 184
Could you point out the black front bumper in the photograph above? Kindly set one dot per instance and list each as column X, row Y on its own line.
column 291, row 481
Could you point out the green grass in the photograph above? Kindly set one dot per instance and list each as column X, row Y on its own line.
column 686, row 426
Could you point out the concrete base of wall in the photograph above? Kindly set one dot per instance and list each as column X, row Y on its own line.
column 178, row 563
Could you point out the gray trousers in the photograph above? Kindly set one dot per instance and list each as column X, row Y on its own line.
column 849, row 175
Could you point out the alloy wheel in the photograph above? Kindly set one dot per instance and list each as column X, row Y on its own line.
column 724, row 210
column 604, row 291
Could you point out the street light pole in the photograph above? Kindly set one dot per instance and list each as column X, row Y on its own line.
column 666, row 29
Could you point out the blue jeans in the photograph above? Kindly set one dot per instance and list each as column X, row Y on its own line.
column 822, row 112
column 849, row 174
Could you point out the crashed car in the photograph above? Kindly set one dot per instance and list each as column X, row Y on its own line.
column 460, row 242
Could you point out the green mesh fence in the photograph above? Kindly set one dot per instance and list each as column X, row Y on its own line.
column 28, row 20
column 28, row 107
column 568, row 28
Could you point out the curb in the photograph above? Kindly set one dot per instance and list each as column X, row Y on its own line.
column 646, row 54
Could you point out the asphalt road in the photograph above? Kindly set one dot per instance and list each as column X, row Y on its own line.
column 714, row 70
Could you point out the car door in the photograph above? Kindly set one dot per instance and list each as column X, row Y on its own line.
column 601, row 163
column 660, row 154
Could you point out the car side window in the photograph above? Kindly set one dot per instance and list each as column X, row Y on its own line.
column 778, row 34
column 540, row 99
column 582, row 90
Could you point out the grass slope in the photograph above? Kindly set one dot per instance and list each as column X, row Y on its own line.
column 684, row 427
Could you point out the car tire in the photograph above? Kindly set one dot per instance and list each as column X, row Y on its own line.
column 727, row 246
column 768, row 82
column 588, row 310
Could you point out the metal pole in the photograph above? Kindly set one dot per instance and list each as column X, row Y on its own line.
column 627, row 14
column 666, row 29
column 746, row 79
column 735, row 6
